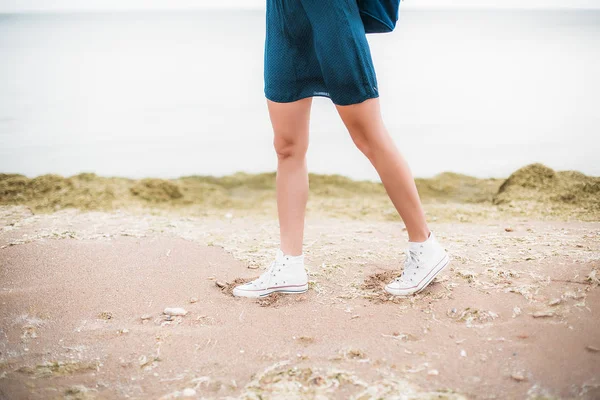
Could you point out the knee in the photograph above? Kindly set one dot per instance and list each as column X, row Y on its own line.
column 361, row 141
column 289, row 147
column 369, row 137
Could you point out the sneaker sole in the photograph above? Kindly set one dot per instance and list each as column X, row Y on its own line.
column 266, row 292
column 441, row 265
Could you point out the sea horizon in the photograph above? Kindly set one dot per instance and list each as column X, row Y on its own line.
column 165, row 94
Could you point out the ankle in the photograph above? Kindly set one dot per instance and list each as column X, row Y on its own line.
column 290, row 256
column 288, row 252
column 420, row 237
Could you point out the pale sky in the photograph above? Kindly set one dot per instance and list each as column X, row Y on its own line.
column 44, row 5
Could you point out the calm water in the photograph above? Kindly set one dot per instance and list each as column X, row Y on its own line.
column 181, row 93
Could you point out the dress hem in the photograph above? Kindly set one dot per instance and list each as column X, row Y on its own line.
column 288, row 99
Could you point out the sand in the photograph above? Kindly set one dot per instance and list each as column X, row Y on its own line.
column 89, row 264
column 82, row 293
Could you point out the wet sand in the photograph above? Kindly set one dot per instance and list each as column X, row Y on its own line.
column 515, row 315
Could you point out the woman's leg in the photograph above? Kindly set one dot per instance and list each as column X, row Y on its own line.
column 366, row 127
column 290, row 123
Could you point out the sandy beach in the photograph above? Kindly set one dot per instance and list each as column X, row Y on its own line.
column 87, row 273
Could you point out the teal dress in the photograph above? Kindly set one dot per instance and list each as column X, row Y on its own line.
column 317, row 48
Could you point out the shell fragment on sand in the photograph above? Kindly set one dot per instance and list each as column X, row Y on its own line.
column 174, row 311
column 518, row 376
column 543, row 314
column 516, row 311
column 555, row 302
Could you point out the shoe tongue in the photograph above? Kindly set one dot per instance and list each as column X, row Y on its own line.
column 416, row 245
column 279, row 256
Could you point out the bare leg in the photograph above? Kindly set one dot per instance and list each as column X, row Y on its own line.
column 366, row 127
column 290, row 123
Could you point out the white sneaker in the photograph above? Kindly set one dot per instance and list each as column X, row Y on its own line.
column 286, row 274
column 424, row 260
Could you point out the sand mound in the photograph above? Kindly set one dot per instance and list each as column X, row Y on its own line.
column 156, row 190
column 341, row 186
column 448, row 196
column 450, row 186
column 88, row 191
column 52, row 192
column 262, row 181
column 375, row 282
column 227, row 287
column 533, row 176
column 538, row 183
column 372, row 287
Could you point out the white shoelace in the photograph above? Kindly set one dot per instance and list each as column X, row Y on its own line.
column 269, row 272
column 410, row 263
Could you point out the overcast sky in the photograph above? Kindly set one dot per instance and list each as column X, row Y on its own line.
column 40, row 5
